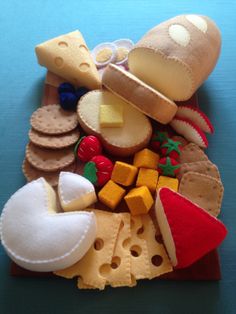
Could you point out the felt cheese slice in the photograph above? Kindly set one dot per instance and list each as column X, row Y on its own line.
column 176, row 56
column 75, row 192
column 38, row 238
column 188, row 231
column 126, row 140
column 137, row 93
column 68, row 56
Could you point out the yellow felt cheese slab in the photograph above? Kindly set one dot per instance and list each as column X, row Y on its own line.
column 158, row 259
column 167, row 182
column 111, row 116
column 68, row 56
column 99, row 254
column 147, row 177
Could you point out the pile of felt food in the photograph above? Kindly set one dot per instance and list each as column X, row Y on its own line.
column 120, row 188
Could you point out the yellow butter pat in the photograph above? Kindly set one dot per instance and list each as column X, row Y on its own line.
column 111, row 116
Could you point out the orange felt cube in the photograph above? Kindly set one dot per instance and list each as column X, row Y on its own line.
column 146, row 159
column 111, row 194
column 147, row 177
column 124, row 173
column 167, row 182
column 139, row 200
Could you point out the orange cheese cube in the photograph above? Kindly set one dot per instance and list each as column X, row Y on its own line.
column 171, row 183
column 147, row 177
column 146, row 159
column 139, row 200
column 124, row 173
column 111, row 194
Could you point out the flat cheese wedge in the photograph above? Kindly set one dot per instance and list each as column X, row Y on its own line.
column 68, row 56
column 38, row 238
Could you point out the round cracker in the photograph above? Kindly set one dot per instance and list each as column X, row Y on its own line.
column 47, row 159
column 52, row 119
column 31, row 173
column 54, row 141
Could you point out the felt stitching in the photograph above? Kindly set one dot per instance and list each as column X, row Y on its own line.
column 62, row 195
column 86, row 229
column 157, row 51
column 207, row 178
column 116, row 144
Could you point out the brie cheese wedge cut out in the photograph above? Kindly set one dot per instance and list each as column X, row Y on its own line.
column 38, row 238
column 75, row 192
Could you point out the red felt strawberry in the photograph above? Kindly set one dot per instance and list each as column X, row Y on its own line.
column 88, row 147
column 98, row 170
column 157, row 139
column 171, row 148
column 168, row 167
column 188, row 231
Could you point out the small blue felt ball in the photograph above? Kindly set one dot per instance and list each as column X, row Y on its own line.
column 81, row 91
column 66, row 88
column 68, row 101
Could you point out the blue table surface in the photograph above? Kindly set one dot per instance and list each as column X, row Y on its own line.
column 23, row 24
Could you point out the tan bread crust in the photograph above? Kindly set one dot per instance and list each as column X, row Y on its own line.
column 139, row 94
column 198, row 58
column 109, row 145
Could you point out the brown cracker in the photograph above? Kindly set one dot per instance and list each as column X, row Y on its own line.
column 54, row 141
column 192, row 153
column 204, row 167
column 52, row 119
column 49, row 160
column 100, row 253
column 32, row 173
column 205, row 191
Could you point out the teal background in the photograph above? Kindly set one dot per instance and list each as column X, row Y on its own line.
column 23, row 24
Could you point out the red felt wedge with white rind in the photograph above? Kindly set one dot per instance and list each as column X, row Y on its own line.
column 190, row 131
column 196, row 116
column 188, row 231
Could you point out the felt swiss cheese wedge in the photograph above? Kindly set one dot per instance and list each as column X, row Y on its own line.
column 38, row 238
column 126, row 140
column 188, row 231
column 68, row 56
column 75, row 192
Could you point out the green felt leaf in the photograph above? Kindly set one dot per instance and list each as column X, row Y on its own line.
column 77, row 145
column 171, row 146
column 90, row 172
column 160, row 136
column 168, row 169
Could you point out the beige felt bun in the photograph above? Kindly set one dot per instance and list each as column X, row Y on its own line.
column 68, row 56
column 137, row 93
column 176, row 56
column 123, row 141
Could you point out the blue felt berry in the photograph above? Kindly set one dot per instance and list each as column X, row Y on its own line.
column 66, row 88
column 68, row 101
column 81, row 91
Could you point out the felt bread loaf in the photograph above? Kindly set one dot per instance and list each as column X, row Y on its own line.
column 143, row 97
column 125, row 140
column 176, row 56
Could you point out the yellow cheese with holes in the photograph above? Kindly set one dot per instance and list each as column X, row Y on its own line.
column 68, row 56
column 111, row 116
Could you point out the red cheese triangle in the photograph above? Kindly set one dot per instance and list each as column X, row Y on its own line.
column 194, row 231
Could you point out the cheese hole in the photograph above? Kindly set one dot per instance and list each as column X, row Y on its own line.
column 115, row 263
column 63, row 44
column 122, row 224
column 98, row 244
column 135, row 250
column 83, row 48
column 105, row 269
column 84, row 66
column 59, row 62
column 157, row 260
column 158, row 238
column 126, row 243
column 140, row 230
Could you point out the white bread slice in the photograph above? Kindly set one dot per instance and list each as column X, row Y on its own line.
column 37, row 237
column 124, row 141
column 143, row 97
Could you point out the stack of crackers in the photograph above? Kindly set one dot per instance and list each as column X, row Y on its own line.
column 52, row 137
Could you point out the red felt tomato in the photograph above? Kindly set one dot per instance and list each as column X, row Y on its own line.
column 88, row 147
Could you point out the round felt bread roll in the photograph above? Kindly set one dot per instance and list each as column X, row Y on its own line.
column 121, row 141
column 146, row 99
column 176, row 56
column 38, row 238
